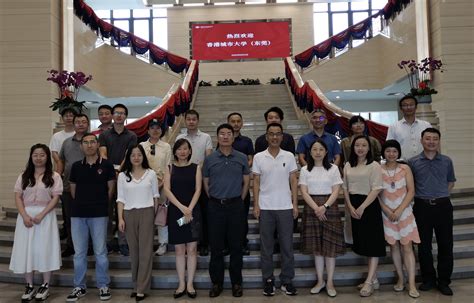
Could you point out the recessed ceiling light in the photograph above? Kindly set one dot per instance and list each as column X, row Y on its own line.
column 147, row 102
column 337, row 97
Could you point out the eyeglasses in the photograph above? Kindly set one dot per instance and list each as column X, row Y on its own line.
column 152, row 151
column 320, row 118
column 89, row 142
column 408, row 105
column 271, row 135
column 119, row 114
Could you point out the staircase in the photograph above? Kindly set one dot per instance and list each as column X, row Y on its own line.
column 213, row 105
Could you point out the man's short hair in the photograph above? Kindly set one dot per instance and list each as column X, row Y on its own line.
column 79, row 116
column 431, row 130
column 407, row 97
column 232, row 114
column 318, row 110
column 275, row 124
column 191, row 112
column 120, row 105
column 66, row 110
column 225, row 126
column 87, row 135
column 274, row 109
column 105, row 106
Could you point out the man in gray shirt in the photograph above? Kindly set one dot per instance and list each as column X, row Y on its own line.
column 70, row 152
column 226, row 181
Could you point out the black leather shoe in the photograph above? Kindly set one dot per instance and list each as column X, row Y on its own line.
column 237, row 290
column 177, row 295
column 133, row 294
column 215, row 290
column 426, row 286
column 203, row 251
column 445, row 290
column 140, row 298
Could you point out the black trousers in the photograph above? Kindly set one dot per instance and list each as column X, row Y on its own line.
column 438, row 217
column 245, row 241
column 225, row 225
column 204, row 236
column 66, row 200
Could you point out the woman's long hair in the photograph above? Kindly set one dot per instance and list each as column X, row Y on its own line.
column 127, row 164
column 353, row 156
column 28, row 176
column 310, row 160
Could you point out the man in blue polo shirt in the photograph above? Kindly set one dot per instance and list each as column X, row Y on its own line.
column 244, row 145
column 434, row 179
column 319, row 121
column 226, row 181
column 92, row 185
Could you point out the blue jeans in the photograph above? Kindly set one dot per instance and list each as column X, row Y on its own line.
column 97, row 227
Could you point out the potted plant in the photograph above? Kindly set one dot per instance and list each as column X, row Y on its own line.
column 419, row 77
column 69, row 84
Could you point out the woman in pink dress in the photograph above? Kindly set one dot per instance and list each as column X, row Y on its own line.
column 36, row 244
column 397, row 213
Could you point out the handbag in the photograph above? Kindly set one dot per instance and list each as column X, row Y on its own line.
column 161, row 214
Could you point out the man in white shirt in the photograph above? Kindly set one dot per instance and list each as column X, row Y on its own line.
column 407, row 131
column 275, row 206
column 158, row 154
column 201, row 144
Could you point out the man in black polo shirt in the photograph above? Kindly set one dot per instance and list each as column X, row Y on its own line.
column 244, row 145
column 113, row 147
column 226, row 181
column 92, row 186
column 275, row 115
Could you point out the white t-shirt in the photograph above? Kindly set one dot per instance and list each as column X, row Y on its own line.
column 137, row 193
column 319, row 180
column 57, row 140
column 275, row 192
column 199, row 143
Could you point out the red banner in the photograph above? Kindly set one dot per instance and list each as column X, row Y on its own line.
column 230, row 41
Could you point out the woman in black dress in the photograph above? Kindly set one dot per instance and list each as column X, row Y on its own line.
column 182, row 187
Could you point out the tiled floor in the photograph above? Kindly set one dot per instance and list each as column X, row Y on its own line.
column 463, row 292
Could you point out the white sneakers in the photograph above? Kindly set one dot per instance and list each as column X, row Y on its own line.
column 161, row 249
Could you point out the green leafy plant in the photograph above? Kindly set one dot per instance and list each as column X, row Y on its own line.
column 69, row 84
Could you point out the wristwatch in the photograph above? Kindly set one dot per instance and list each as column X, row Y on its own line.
column 326, row 206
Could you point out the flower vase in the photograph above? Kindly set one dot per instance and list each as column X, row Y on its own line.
column 424, row 99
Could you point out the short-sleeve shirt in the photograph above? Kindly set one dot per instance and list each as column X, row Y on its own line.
column 274, row 172
column 408, row 136
column 70, row 152
column 137, row 193
column 39, row 194
column 288, row 143
column 225, row 173
column 91, row 196
column 432, row 176
column 199, row 143
column 57, row 140
column 320, row 180
column 117, row 144
column 305, row 142
column 244, row 145
column 363, row 178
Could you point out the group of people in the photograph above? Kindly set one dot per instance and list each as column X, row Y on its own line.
column 395, row 193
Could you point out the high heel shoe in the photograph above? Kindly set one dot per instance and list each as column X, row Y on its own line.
column 177, row 294
column 398, row 288
column 413, row 293
column 192, row 294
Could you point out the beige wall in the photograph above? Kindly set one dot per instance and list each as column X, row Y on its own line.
column 301, row 15
column 372, row 65
column 452, row 41
column 116, row 74
column 30, row 45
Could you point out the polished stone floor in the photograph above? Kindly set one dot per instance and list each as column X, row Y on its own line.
column 463, row 292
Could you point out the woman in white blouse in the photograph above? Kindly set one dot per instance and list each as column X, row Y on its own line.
column 322, row 234
column 137, row 193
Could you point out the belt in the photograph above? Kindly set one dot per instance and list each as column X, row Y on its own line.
column 434, row 201
column 226, row 201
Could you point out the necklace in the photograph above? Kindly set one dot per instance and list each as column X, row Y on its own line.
column 392, row 183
